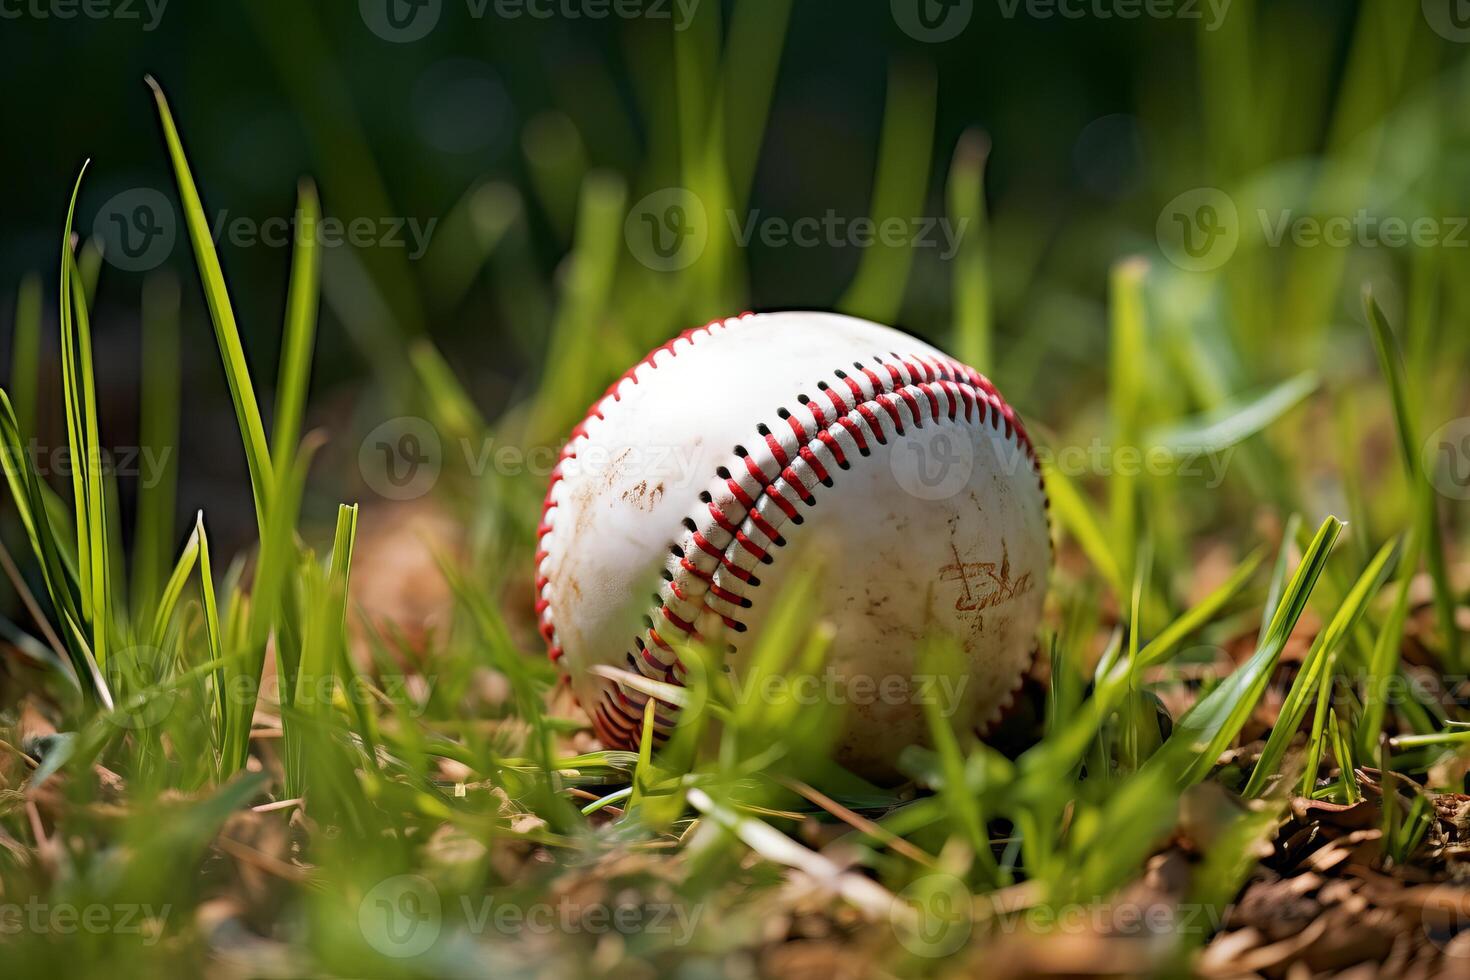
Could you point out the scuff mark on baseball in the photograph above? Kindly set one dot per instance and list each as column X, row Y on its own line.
column 674, row 500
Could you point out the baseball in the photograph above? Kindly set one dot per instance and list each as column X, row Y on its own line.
column 678, row 501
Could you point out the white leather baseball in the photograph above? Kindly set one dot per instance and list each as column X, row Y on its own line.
column 904, row 471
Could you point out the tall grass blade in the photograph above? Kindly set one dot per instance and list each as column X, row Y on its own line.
column 1073, row 512
column 1421, row 489
column 173, row 590
column 972, row 290
column 1216, row 719
column 227, row 334
column 300, row 328
column 898, row 192
column 1127, row 362
column 1316, row 672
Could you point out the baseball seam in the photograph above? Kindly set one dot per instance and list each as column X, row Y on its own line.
column 711, row 568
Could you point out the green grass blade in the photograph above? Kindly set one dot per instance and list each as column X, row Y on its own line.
column 1163, row 645
column 300, row 331
column 756, row 40
column 93, row 524
column 30, row 503
column 339, row 581
column 898, row 192
column 1317, row 671
column 227, row 334
column 214, row 636
column 89, row 268
column 1384, row 663
column 972, row 290
column 1343, row 752
column 1421, row 490
column 1278, row 575
column 450, row 406
column 1237, row 420
column 168, row 599
column 941, row 658
column 1391, row 361
column 1073, row 512
column 273, row 567
column 74, row 408
column 1217, row 718
column 1127, row 363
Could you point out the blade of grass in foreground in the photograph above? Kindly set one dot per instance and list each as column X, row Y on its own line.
column 27, row 492
column 339, row 581
column 213, row 634
column 168, row 599
column 212, row 276
column 1278, row 575
column 1162, row 646
column 1215, row 721
column 1384, row 663
column 941, row 658
column 1315, row 675
column 85, row 443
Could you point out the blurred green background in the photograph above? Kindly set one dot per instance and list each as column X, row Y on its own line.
column 1095, row 123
